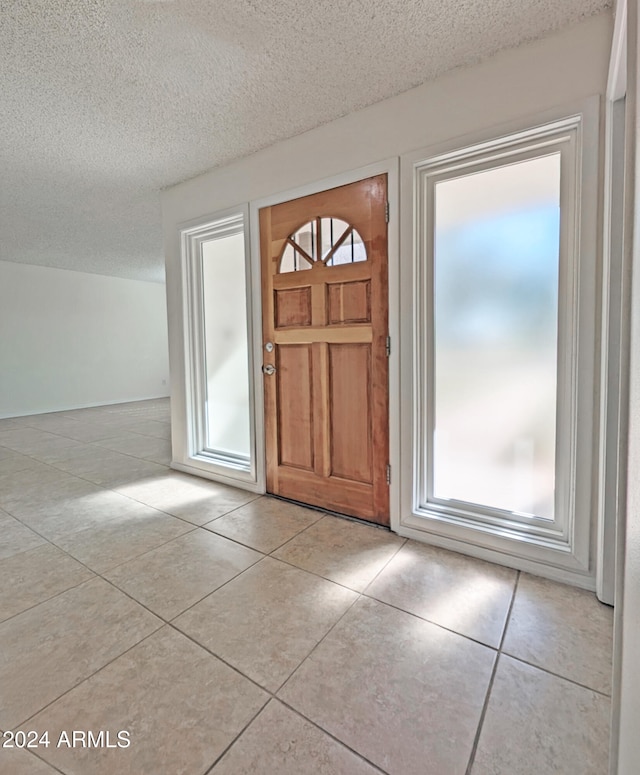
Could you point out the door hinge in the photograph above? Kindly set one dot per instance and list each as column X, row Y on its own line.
column 386, row 211
column 388, row 474
column 388, row 346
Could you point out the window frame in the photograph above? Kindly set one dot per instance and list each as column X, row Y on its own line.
column 565, row 542
column 221, row 466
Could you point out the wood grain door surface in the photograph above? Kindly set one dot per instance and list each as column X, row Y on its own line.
column 325, row 310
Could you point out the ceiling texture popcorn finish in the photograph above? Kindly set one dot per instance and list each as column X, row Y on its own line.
column 104, row 102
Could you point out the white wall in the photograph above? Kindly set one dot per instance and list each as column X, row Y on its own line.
column 70, row 339
column 514, row 84
column 560, row 70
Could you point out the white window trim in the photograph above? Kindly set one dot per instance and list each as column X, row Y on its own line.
column 558, row 138
column 561, row 551
column 195, row 458
column 616, row 314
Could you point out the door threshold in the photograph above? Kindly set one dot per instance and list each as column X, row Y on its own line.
column 358, row 520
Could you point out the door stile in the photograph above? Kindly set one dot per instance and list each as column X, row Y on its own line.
column 380, row 359
column 321, row 408
column 270, row 397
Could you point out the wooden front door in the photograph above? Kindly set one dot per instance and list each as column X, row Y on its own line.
column 325, row 327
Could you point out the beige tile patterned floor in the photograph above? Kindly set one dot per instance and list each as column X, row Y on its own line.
column 231, row 634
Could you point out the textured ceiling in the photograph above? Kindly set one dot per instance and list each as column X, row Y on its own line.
column 104, row 102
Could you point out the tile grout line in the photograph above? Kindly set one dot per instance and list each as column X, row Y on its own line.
column 169, row 623
column 26, row 422
column 322, row 639
column 48, row 599
column 53, row 543
column 52, row 464
column 430, row 621
column 542, row 669
column 93, row 443
column 213, row 591
column 335, row 624
column 196, row 527
column 236, row 738
column 107, row 486
column 314, row 573
column 277, row 700
column 485, row 705
column 130, row 559
column 235, row 669
column 172, row 624
column 328, row 513
column 332, row 736
column 163, row 623
column 273, row 695
column 84, row 680
column 26, row 426
column 99, row 574
column 555, row 675
column 101, row 487
column 50, row 764
column 402, row 544
column 155, row 508
column 175, row 516
column 304, row 530
column 30, row 751
column 133, row 500
column 235, row 508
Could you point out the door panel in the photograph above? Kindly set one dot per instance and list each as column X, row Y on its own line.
column 292, row 307
column 295, row 418
column 325, row 309
column 351, row 421
column 349, row 302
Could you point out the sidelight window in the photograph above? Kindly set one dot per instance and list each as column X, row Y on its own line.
column 495, row 336
column 503, row 360
column 221, row 425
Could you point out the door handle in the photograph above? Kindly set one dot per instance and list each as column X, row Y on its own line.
column 269, row 369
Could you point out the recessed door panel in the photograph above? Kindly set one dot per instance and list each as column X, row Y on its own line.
column 292, row 307
column 350, row 402
column 349, row 302
column 295, row 408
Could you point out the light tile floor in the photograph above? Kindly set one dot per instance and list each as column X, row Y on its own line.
column 228, row 633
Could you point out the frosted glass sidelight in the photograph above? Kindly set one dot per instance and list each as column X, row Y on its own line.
column 226, row 348
column 496, row 268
